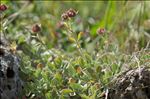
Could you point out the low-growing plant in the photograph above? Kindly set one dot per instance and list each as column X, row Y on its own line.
column 78, row 69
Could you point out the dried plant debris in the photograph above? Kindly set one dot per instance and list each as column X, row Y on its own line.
column 132, row 84
column 10, row 83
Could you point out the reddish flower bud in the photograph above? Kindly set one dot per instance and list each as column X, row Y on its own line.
column 64, row 16
column 3, row 7
column 36, row 28
column 60, row 25
column 71, row 13
column 101, row 31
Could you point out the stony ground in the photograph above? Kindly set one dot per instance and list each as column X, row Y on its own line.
column 132, row 84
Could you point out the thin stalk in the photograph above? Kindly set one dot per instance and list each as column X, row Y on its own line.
column 76, row 39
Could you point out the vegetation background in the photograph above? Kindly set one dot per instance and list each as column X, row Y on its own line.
column 57, row 64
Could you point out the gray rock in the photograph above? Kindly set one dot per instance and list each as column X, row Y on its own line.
column 132, row 84
column 10, row 83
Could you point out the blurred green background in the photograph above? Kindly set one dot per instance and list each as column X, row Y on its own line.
column 128, row 21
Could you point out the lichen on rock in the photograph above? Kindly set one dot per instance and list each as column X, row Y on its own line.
column 10, row 83
column 132, row 84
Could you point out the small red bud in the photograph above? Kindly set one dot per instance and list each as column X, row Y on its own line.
column 3, row 7
column 60, row 25
column 71, row 13
column 36, row 28
column 101, row 31
column 64, row 16
column 68, row 14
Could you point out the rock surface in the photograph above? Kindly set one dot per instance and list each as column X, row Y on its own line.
column 132, row 84
column 10, row 82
